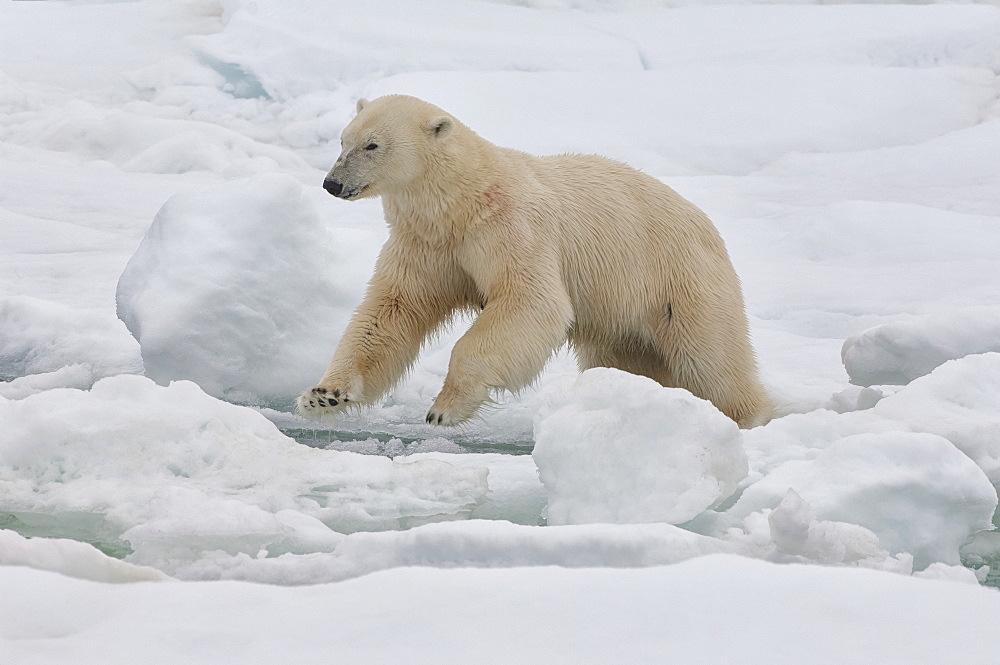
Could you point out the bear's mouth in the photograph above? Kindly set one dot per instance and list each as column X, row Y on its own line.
column 336, row 188
column 354, row 193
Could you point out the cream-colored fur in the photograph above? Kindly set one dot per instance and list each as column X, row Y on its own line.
column 570, row 248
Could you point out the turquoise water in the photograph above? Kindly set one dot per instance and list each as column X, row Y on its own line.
column 335, row 440
column 85, row 527
column 982, row 549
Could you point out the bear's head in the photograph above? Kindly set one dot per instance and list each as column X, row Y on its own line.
column 387, row 146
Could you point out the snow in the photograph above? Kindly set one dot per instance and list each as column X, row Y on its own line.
column 960, row 400
column 71, row 558
column 768, row 614
column 615, row 447
column 166, row 474
column 898, row 352
column 847, row 154
column 916, row 491
column 476, row 544
column 218, row 272
column 39, row 336
column 796, row 532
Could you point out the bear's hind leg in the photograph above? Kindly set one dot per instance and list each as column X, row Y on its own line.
column 636, row 357
column 709, row 354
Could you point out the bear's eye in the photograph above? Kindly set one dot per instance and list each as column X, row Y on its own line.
column 371, row 146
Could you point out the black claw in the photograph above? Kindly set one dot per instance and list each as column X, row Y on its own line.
column 336, row 392
column 429, row 418
column 322, row 402
column 346, row 400
column 322, row 391
column 440, row 418
column 312, row 404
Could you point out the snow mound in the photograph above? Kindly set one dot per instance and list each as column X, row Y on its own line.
column 942, row 571
column 165, row 474
column 40, row 336
column 897, row 353
column 71, row 558
column 960, row 400
column 71, row 376
column 795, row 531
column 800, row 436
column 467, row 544
column 917, row 492
column 233, row 287
column 135, row 141
column 615, row 447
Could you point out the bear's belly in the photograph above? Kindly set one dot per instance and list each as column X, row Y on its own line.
column 608, row 318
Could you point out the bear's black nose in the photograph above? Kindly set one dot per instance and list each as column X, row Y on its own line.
column 333, row 187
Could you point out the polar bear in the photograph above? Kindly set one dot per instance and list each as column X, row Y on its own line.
column 548, row 250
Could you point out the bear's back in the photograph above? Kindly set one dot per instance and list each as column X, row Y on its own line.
column 620, row 229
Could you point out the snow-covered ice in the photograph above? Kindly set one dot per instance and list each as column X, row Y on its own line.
column 41, row 337
column 916, row 491
column 172, row 274
column 615, row 447
column 166, row 474
column 228, row 285
column 898, row 352
column 713, row 609
column 960, row 400
column 71, row 558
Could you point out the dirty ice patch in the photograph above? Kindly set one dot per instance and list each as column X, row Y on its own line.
column 615, row 447
column 899, row 352
column 165, row 474
column 234, row 288
column 917, row 492
column 960, row 400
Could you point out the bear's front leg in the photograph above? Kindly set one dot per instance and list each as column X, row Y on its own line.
column 380, row 344
column 406, row 300
column 506, row 348
column 366, row 357
column 456, row 404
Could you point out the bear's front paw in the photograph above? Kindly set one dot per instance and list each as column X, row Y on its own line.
column 322, row 401
column 444, row 418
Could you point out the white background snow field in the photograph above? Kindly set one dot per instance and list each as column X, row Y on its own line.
column 172, row 274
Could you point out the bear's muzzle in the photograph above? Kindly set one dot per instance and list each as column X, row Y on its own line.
column 333, row 187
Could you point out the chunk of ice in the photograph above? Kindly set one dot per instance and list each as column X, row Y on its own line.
column 615, row 447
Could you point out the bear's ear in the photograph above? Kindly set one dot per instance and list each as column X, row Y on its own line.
column 362, row 103
column 440, row 126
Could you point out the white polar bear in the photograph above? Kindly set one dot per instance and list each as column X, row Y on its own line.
column 553, row 249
